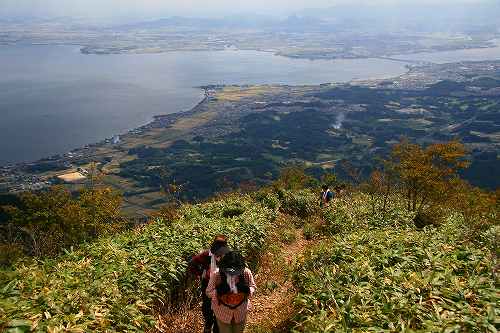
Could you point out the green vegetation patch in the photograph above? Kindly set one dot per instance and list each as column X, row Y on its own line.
column 397, row 279
column 302, row 203
column 117, row 283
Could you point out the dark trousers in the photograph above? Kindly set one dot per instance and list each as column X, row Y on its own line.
column 208, row 315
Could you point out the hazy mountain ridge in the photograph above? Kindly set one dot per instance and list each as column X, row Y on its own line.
column 422, row 18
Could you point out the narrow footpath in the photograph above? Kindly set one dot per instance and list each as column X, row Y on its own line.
column 272, row 305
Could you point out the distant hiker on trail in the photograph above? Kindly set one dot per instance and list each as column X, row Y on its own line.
column 340, row 190
column 326, row 196
column 204, row 265
column 230, row 289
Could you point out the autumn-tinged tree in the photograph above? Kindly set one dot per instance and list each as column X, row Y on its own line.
column 94, row 177
column 51, row 220
column 329, row 179
column 248, row 186
column 351, row 171
column 379, row 186
column 102, row 209
column 168, row 212
column 224, row 184
column 293, row 178
column 45, row 220
column 427, row 174
column 170, row 187
column 478, row 208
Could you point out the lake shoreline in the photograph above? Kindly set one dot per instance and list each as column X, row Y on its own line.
column 211, row 117
column 159, row 118
column 74, row 99
column 90, row 50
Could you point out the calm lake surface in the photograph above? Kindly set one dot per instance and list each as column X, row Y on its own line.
column 54, row 99
column 492, row 53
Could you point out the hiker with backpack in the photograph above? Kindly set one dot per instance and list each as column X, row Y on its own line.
column 230, row 289
column 204, row 265
column 326, row 196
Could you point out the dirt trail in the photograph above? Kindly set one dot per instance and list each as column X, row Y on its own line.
column 272, row 311
column 271, row 305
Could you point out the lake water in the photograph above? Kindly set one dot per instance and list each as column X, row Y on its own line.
column 443, row 57
column 54, row 99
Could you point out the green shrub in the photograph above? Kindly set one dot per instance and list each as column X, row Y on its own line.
column 354, row 213
column 232, row 211
column 270, row 286
column 395, row 217
column 310, row 231
column 268, row 199
column 302, row 203
column 428, row 218
column 296, row 222
column 337, row 221
column 115, row 283
column 490, row 239
column 168, row 213
column 288, row 236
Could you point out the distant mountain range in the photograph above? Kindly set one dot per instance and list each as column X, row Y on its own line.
column 460, row 18
column 438, row 17
column 239, row 22
column 442, row 18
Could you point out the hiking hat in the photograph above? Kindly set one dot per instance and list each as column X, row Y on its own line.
column 219, row 241
column 232, row 263
column 222, row 251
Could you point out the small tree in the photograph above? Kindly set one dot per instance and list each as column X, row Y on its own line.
column 225, row 184
column 379, row 186
column 351, row 171
column 94, row 176
column 329, row 179
column 51, row 220
column 102, row 208
column 248, row 186
column 478, row 208
column 293, row 178
column 171, row 188
column 427, row 174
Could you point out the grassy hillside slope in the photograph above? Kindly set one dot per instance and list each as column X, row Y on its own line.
column 374, row 273
column 369, row 272
column 118, row 283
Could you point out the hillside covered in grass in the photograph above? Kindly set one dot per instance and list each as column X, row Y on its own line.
column 375, row 273
column 118, row 283
column 413, row 248
column 367, row 272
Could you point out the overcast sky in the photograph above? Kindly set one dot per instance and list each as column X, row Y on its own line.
column 158, row 8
